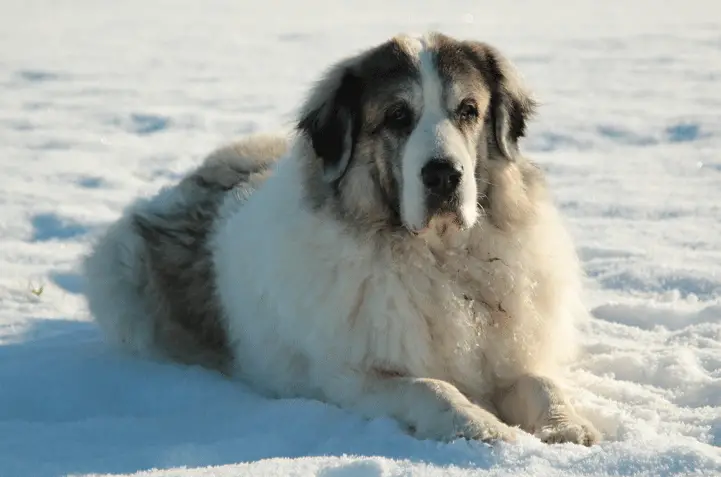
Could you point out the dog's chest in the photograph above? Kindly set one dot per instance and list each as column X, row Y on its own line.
column 476, row 280
column 440, row 308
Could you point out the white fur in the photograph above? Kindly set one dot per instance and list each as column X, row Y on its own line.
column 378, row 326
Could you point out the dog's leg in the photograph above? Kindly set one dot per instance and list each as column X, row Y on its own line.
column 428, row 408
column 538, row 406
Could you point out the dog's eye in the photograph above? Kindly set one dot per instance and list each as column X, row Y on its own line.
column 467, row 111
column 399, row 117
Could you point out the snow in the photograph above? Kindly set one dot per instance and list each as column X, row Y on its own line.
column 101, row 102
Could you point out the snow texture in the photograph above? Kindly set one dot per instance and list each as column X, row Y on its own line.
column 102, row 101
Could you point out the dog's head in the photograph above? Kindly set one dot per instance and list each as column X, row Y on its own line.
column 403, row 134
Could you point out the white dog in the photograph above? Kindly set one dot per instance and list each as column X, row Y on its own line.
column 398, row 257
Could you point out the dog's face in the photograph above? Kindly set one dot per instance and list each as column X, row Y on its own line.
column 403, row 134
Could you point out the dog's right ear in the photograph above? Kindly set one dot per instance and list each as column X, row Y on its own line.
column 331, row 120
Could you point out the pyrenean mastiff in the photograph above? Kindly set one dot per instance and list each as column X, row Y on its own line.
column 396, row 257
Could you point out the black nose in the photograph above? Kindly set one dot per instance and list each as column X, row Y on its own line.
column 441, row 177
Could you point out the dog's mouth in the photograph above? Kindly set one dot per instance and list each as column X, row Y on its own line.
column 442, row 218
column 441, row 223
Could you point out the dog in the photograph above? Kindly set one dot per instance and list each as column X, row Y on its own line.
column 395, row 255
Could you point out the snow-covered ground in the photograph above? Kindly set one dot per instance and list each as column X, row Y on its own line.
column 102, row 101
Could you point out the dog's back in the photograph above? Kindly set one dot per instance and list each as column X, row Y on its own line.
column 149, row 278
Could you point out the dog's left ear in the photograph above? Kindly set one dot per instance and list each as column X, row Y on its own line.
column 511, row 105
column 330, row 119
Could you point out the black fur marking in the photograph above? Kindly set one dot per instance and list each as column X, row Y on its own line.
column 329, row 125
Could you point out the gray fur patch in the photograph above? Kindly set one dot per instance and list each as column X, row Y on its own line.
column 179, row 264
column 181, row 269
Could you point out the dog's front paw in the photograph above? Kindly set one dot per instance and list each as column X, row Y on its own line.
column 485, row 430
column 469, row 422
column 575, row 430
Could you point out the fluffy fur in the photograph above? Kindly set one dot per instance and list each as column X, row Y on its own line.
column 332, row 265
